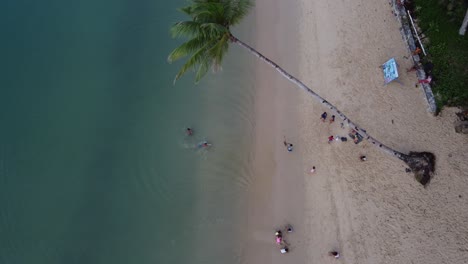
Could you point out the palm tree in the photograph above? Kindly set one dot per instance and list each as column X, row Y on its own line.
column 209, row 37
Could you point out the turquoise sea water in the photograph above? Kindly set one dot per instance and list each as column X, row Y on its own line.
column 94, row 164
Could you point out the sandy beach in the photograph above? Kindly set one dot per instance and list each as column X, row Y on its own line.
column 373, row 211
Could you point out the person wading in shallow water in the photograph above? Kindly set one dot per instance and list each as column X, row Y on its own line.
column 204, row 144
column 189, row 131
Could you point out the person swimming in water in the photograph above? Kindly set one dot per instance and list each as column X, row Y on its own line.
column 189, row 131
column 204, row 144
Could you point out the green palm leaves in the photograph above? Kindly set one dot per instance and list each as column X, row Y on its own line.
column 208, row 34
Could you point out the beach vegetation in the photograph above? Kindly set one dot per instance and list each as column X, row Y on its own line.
column 447, row 50
column 209, row 36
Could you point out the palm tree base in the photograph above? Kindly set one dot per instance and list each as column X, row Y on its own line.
column 422, row 164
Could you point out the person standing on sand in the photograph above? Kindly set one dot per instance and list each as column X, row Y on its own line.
column 332, row 119
column 323, row 117
column 288, row 146
column 330, row 139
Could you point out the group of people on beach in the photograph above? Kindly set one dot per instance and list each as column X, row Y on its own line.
column 284, row 246
column 202, row 144
column 279, row 240
column 332, row 138
column 323, row 117
column 353, row 134
column 357, row 138
column 426, row 67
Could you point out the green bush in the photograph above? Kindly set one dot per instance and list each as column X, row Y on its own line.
column 447, row 50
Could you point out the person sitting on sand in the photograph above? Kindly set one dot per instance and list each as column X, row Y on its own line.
column 312, row 170
column 332, row 119
column 189, row 131
column 354, row 135
column 335, row 254
column 363, row 158
column 279, row 240
column 289, row 228
column 278, row 237
column 323, row 117
column 417, row 51
column 330, row 139
column 284, row 250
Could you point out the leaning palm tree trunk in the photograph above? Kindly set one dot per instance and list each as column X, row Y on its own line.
column 421, row 163
column 209, row 37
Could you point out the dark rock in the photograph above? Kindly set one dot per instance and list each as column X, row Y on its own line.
column 422, row 164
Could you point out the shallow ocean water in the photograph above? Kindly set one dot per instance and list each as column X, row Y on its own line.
column 95, row 166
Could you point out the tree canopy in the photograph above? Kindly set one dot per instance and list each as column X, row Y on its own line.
column 208, row 33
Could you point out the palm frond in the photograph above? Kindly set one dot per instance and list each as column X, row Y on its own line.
column 198, row 57
column 208, row 12
column 186, row 49
column 185, row 29
column 236, row 10
column 213, row 29
column 202, row 70
column 186, row 10
column 218, row 51
column 208, row 33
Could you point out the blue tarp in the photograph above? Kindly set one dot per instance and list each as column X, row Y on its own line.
column 390, row 70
